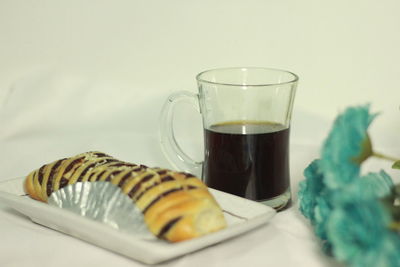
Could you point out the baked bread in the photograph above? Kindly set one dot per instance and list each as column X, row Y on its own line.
column 176, row 206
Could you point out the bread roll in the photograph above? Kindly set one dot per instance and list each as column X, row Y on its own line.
column 176, row 206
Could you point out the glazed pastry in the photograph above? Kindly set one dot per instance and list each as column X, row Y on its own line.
column 176, row 206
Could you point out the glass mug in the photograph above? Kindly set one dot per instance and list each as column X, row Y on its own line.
column 246, row 115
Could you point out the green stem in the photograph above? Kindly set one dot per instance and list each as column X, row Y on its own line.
column 383, row 156
column 394, row 226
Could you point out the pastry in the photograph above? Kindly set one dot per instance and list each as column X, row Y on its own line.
column 176, row 206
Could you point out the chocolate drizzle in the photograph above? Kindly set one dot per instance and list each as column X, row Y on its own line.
column 49, row 185
column 167, row 178
column 90, row 176
column 100, row 155
column 163, row 180
column 63, row 182
column 138, row 185
column 49, row 188
column 190, row 187
column 166, row 193
column 98, row 176
column 164, row 230
column 54, row 168
column 112, row 174
column 124, row 178
column 40, row 174
column 162, row 172
column 88, row 167
column 109, row 161
column 72, row 164
column 120, row 164
column 187, row 175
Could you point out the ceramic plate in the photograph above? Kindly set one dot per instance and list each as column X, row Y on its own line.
column 241, row 214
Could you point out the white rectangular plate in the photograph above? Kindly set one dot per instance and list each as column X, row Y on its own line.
column 241, row 214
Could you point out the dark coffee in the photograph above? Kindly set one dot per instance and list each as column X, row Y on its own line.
column 248, row 159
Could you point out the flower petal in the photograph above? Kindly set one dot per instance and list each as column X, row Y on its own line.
column 310, row 189
column 344, row 145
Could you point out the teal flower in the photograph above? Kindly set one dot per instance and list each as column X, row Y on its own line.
column 354, row 216
column 311, row 189
column 358, row 225
column 359, row 235
column 323, row 211
column 315, row 199
column 346, row 147
column 374, row 185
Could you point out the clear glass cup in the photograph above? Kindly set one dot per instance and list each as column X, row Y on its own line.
column 246, row 114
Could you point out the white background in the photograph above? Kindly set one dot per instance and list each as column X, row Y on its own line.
column 80, row 75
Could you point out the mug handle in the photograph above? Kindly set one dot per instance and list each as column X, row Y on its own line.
column 170, row 147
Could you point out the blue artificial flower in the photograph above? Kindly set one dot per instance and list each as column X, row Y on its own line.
column 374, row 185
column 359, row 235
column 344, row 207
column 345, row 147
column 311, row 189
column 357, row 228
column 323, row 211
column 314, row 199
